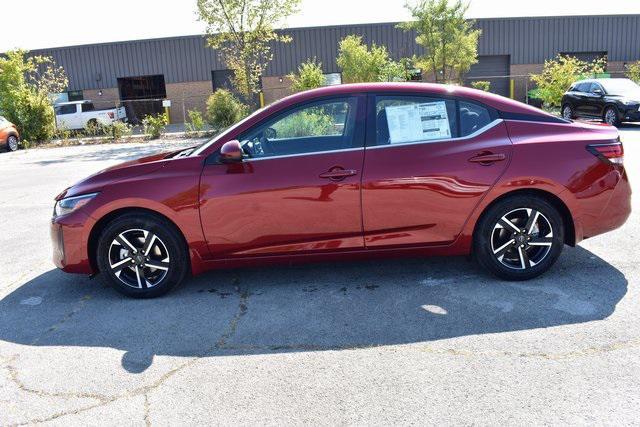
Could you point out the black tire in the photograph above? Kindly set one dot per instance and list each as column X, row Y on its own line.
column 541, row 244
column 611, row 116
column 568, row 113
column 134, row 276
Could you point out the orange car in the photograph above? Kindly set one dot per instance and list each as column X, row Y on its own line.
column 9, row 136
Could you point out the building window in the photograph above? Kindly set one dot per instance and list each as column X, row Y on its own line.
column 142, row 96
column 75, row 95
column 142, row 87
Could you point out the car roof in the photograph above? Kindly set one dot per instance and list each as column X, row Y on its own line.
column 498, row 102
column 84, row 101
column 601, row 80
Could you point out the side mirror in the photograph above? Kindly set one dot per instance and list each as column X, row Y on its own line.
column 231, row 152
column 597, row 92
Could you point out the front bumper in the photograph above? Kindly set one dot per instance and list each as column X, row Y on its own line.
column 69, row 239
column 631, row 115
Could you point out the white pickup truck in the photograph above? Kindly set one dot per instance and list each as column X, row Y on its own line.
column 80, row 114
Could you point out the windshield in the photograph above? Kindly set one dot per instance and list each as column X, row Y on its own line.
column 619, row 86
column 207, row 144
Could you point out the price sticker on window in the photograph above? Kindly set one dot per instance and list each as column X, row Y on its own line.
column 418, row 122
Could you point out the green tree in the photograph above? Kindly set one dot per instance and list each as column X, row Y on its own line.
column 449, row 40
column 224, row 109
column 560, row 73
column 481, row 85
column 633, row 71
column 359, row 63
column 242, row 31
column 26, row 86
column 309, row 76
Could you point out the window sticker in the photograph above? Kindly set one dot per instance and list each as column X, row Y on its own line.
column 418, row 122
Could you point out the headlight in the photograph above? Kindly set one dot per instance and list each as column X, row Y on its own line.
column 628, row 101
column 70, row 204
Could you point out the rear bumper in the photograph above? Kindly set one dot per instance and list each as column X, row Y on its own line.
column 68, row 239
column 614, row 207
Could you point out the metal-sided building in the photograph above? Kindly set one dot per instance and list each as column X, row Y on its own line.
column 186, row 71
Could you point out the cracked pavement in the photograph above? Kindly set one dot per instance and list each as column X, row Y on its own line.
column 394, row 341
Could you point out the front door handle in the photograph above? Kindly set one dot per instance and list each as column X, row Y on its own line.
column 337, row 173
column 488, row 158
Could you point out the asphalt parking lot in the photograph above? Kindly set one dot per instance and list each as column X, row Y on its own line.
column 398, row 341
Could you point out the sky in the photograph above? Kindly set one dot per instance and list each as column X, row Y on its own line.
column 45, row 23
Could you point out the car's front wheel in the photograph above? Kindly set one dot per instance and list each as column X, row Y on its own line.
column 142, row 255
column 12, row 143
column 519, row 237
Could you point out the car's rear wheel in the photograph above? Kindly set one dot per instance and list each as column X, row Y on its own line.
column 12, row 143
column 141, row 255
column 611, row 116
column 568, row 113
column 519, row 238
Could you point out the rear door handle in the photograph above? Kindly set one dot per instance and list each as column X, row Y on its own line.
column 487, row 158
column 338, row 173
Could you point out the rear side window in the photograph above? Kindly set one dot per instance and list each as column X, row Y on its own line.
column 408, row 119
column 87, row 107
column 473, row 117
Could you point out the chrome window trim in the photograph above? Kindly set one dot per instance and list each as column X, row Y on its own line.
column 345, row 150
column 480, row 131
column 315, row 153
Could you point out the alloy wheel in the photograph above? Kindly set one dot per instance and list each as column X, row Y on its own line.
column 12, row 142
column 522, row 238
column 610, row 117
column 567, row 113
column 139, row 258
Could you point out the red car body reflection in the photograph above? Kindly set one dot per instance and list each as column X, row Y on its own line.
column 412, row 199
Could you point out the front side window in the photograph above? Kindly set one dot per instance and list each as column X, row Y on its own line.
column 594, row 86
column 66, row 109
column 320, row 126
column 409, row 119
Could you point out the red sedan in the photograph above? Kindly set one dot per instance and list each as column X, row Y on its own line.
column 346, row 172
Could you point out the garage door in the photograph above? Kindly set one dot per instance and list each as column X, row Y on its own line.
column 491, row 68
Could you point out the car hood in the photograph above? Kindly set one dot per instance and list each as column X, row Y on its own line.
column 631, row 96
column 118, row 173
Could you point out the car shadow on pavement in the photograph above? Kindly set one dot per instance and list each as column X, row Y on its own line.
column 308, row 308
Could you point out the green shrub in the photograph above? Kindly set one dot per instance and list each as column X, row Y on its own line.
column 633, row 71
column 224, row 109
column 359, row 63
column 481, row 85
column 154, row 125
column 309, row 76
column 62, row 134
column 93, row 129
column 196, row 122
column 25, row 87
column 117, row 130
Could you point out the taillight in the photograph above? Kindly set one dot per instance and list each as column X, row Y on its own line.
column 110, row 114
column 613, row 153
